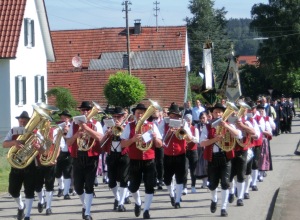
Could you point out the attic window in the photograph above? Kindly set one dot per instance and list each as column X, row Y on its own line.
column 29, row 39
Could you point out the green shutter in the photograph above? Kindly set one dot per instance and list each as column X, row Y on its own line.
column 24, row 90
column 17, row 90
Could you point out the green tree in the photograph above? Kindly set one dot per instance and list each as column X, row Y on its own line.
column 124, row 90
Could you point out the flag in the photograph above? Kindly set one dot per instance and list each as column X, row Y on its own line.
column 232, row 81
column 207, row 65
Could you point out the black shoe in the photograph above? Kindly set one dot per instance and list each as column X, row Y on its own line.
column 71, row 190
column 67, row 196
column 116, row 204
column 40, row 207
column 264, row 174
column 246, row 196
column 224, row 213
column 121, row 208
column 127, row 200
column 48, row 211
column 146, row 215
column 177, row 205
column 159, row 186
column 21, row 214
column 137, row 210
column 213, row 207
column 88, row 217
column 60, row 192
column 254, row 188
column 27, row 218
column 239, row 202
column 83, row 213
column 172, row 201
column 231, row 198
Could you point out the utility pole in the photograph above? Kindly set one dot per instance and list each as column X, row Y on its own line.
column 156, row 9
column 126, row 3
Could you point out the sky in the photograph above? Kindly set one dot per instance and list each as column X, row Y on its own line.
column 89, row 14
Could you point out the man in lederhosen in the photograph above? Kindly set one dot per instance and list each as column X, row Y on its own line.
column 117, row 159
column 219, row 161
column 85, row 163
column 142, row 163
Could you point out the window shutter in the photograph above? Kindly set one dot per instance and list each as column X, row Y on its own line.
column 17, row 90
column 25, row 32
column 32, row 33
column 43, row 89
column 36, row 88
column 24, row 90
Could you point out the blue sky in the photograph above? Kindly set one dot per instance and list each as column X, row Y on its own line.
column 86, row 14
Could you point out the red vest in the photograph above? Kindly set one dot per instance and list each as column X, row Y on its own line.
column 208, row 151
column 133, row 152
column 192, row 145
column 258, row 142
column 107, row 146
column 94, row 151
column 175, row 146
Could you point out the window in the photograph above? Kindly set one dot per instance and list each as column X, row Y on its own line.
column 20, row 85
column 29, row 33
column 39, row 89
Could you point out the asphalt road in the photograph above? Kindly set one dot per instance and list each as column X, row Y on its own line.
column 278, row 196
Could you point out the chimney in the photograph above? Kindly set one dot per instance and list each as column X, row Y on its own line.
column 137, row 26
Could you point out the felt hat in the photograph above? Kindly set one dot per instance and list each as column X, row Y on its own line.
column 140, row 106
column 85, row 105
column 24, row 114
column 217, row 105
column 65, row 113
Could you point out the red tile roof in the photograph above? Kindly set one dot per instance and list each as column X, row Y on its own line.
column 11, row 18
column 164, row 85
column 250, row 60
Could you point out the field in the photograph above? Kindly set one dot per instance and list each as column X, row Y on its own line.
column 4, row 170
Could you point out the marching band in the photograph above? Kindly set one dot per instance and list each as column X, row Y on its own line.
column 231, row 150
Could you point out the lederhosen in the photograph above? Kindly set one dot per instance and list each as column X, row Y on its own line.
column 191, row 159
column 25, row 176
column 219, row 163
column 117, row 162
column 174, row 159
column 201, row 168
column 85, row 164
column 142, row 164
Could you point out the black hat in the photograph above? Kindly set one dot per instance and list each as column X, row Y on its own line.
column 86, row 105
column 260, row 106
column 140, row 106
column 251, row 104
column 219, row 106
column 282, row 96
column 174, row 109
column 24, row 114
column 66, row 113
column 118, row 111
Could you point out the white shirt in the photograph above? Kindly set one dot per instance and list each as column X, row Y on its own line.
column 126, row 133
column 97, row 127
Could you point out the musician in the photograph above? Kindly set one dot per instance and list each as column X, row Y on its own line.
column 219, row 161
column 191, row 154
column 142, row 163
column 19, row 177
column 85, row 163
column 64, row 161
column 249, row 130
column 117, row 159
column 174, row 154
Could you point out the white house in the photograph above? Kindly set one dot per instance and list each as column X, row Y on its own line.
column 25, row 49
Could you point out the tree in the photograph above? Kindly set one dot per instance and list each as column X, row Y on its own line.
column 124, row 90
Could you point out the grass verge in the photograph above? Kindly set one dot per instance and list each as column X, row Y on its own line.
column 4, row 170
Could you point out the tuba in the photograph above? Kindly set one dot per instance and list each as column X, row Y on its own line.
column 83, row 142
column 246, row 141
column 139, row 129
column 21, row 157
column 228, row 143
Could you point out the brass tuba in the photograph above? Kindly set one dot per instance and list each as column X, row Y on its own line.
column 243, row 108
column 83, row 142
column 228, row 143
column 21, row 157
column 140, row 124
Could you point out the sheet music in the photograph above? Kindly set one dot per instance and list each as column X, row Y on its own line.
column 147, row 136
column 175, row 123
column 80, row 118
column 109, row 122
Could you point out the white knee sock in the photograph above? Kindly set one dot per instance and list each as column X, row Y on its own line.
column 88, row 198
column 67, row 184
column 247, row 183
column 28, row 203
column 240, row 190
column 40, row 197
column 137, row 198
column 116, row 192
column 170, row 190
column 19, row 202
column 49, row 195
column 81, row 197
column 224, row 195
column 60, row 183
column 179, row 188
column 214, row 195
column 123, row 193
column 148, row 201
column 254, row 177
column 232, row 187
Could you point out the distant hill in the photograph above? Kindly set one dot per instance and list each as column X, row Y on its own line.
column 239, row 32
